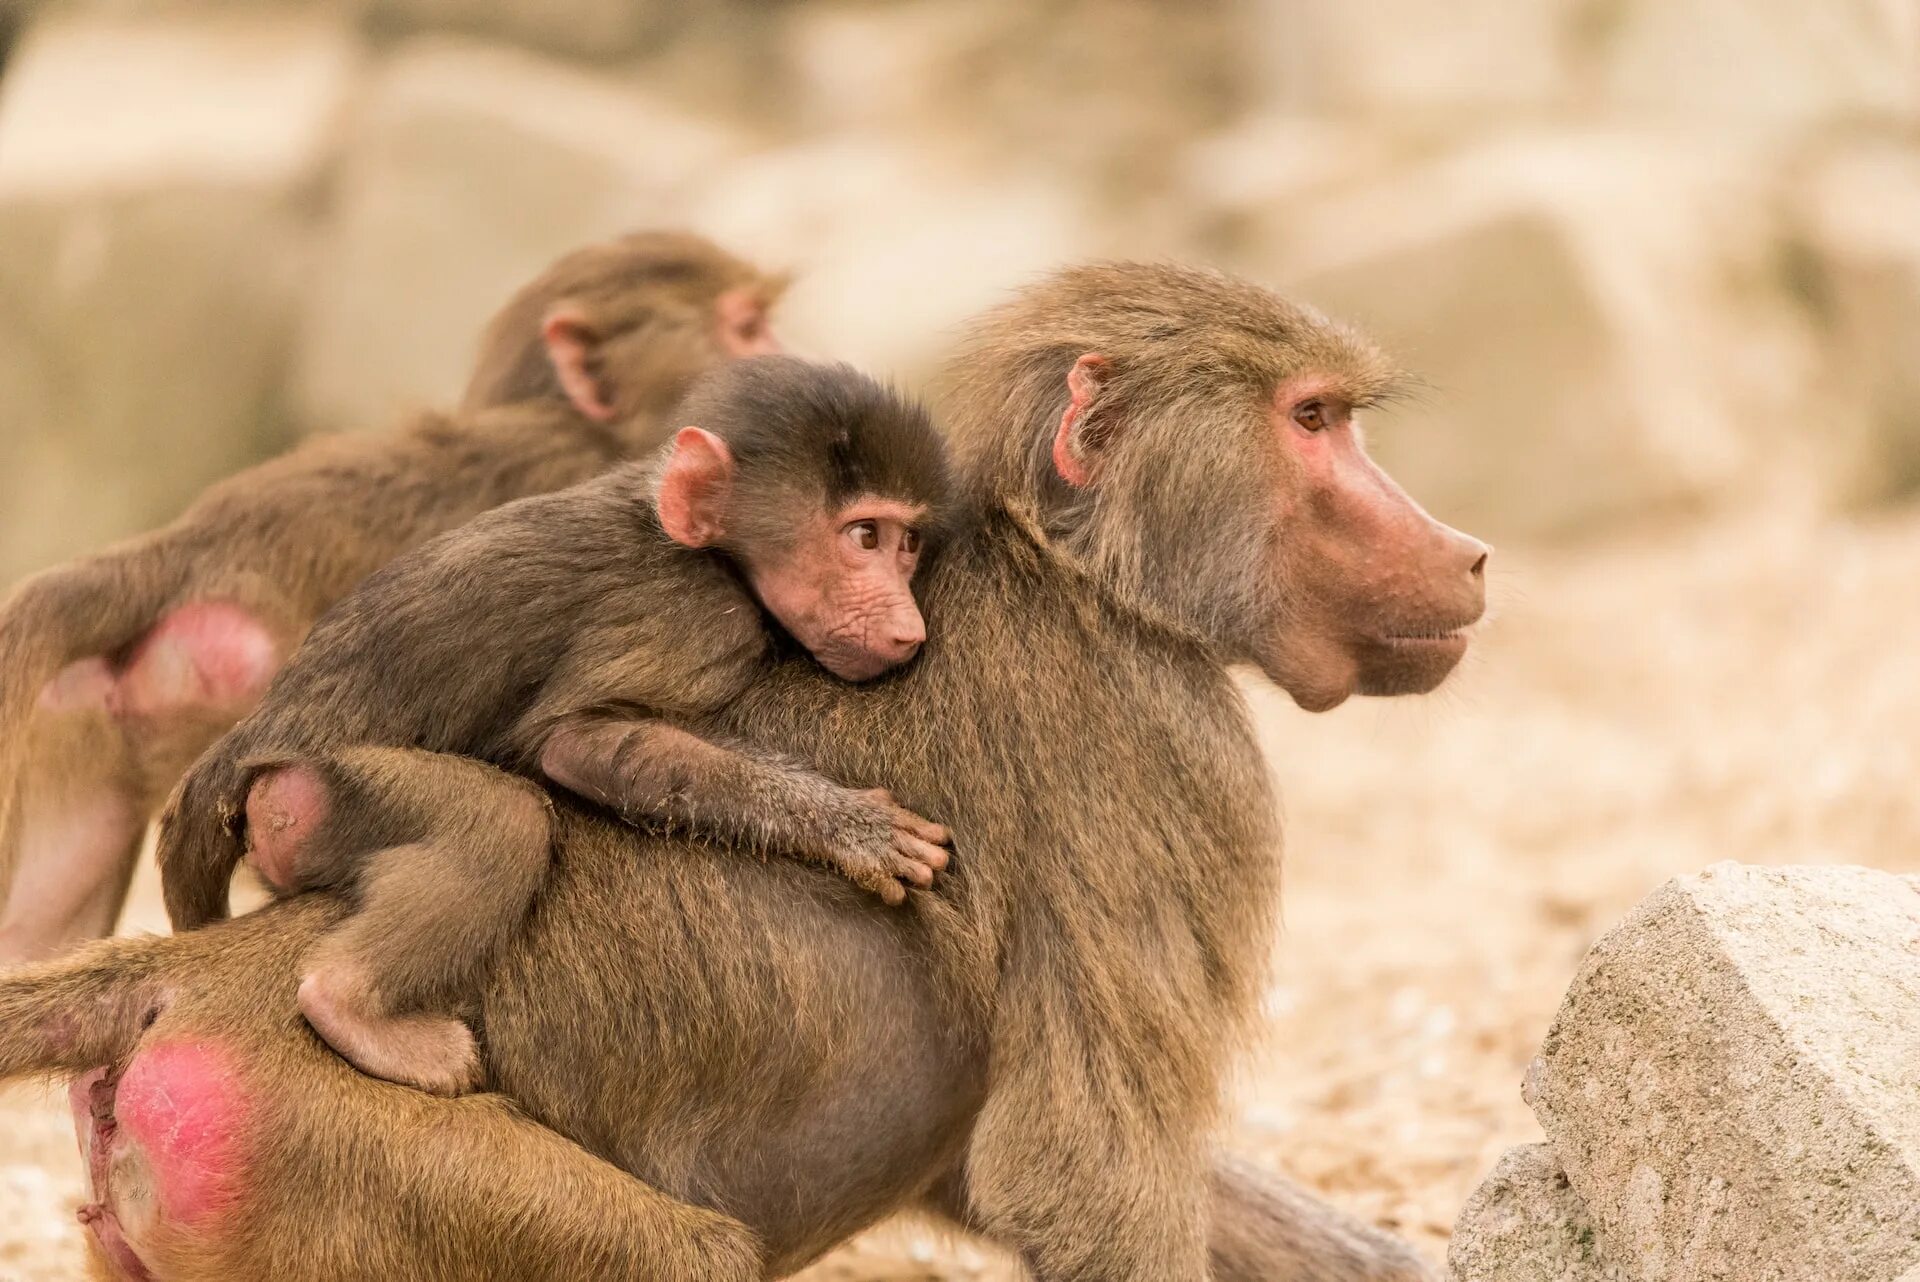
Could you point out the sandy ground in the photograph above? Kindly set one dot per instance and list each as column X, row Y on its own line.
column 1634, row 711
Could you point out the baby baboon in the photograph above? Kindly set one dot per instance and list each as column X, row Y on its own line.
column 574, row 636
column 1167, row 480
column 117, row 669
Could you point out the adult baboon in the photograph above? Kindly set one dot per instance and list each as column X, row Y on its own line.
column 117, row 669
column 1167, row 480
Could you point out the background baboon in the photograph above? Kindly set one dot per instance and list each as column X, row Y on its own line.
column 116, row 670
column 1035, row 1048
column 572, row 637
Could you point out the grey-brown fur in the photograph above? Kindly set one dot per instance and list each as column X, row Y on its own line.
column 649, row 299
column 284, row 540
column 1035, row 1049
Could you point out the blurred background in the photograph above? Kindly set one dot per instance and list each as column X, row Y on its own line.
column 1657, row 260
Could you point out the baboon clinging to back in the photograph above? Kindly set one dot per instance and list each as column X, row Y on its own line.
column 117, row 669
column 1168, row 480
column 572, row 638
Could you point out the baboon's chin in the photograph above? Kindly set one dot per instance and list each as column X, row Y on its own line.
column 1323, row 699
column 1323, row 676
column 1319, row 679
column 1408, row 665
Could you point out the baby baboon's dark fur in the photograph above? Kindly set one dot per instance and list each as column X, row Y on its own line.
column 564, row 636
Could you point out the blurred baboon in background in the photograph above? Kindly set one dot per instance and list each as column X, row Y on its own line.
column 117, row 669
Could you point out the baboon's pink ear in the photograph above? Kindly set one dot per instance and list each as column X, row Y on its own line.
column 570, row 347
column 694, row 487
column 740, row 318
column 1076, row 451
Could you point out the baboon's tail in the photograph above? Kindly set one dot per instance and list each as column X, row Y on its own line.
column 96, row 605
column 83, row 1010
column 200, row 840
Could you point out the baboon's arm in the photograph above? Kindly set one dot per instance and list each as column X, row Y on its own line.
column 648, row 768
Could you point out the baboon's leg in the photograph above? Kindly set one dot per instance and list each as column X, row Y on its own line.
column 82, row 1010
column 433, row 911
column 78, row 827
column 107, row 741
column 1081, row 1199
column 219, row 1148
column 469, row 1190
column 1260, row 1228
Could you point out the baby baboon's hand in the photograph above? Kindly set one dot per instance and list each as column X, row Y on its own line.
column 884, row 847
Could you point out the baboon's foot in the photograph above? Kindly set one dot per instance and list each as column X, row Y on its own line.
column 434, row 1053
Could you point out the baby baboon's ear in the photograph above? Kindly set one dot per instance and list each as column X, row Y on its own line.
column 694, row 488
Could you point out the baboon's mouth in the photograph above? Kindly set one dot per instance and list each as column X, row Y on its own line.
column 1434, row 638
column 1410, row 660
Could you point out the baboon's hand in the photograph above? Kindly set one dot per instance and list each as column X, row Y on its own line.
column 884, row 847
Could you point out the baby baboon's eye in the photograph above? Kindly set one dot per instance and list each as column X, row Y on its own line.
column 910, row 541
column 866, row 535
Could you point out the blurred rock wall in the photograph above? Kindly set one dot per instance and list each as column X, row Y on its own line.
column 1652, row 257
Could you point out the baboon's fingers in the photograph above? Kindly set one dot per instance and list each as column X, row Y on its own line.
column 921, row 854
column 915, row 865
column 872, row 871
column 911, row 872
column 925, row 829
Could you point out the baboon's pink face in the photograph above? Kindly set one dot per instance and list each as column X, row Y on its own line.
column 841, row 581
column 844, row 586
column 1375, row 596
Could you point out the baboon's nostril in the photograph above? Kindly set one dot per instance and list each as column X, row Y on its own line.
column 1479, row 567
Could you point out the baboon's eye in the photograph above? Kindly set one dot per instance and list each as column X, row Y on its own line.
column 910, row 541
column 866, row 535
column 1313, row 416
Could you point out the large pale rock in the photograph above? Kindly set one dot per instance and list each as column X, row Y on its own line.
column 1755, row 61
column 857, row 65
column 1733, row 1081
column 893, row 251
column 1240, row 183
column 1099, row 93
column 471, row 168
column 158, row 184
column 1858, row 249
column 1526, row 1224
column 1594, row 315
column 1758, row 62
column 1396, row 56
column 579, row 28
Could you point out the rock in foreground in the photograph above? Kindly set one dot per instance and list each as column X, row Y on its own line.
column 1525, row 1224
column 1732, row 1084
